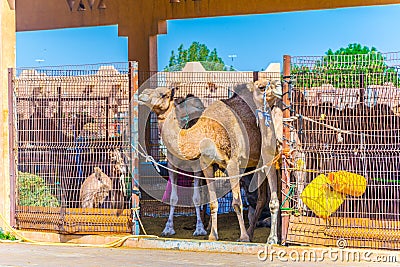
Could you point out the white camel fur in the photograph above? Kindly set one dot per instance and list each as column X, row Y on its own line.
column 226, row 135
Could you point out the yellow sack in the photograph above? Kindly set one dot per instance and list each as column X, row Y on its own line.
column 348, row 183
column 320, row 198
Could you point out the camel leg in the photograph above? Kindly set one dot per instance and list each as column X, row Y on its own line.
column 250, row 217
column 209, row 173
column 196, row 201
column 261, row 200
column 169, row 226
column 233, row 169
column 273, row 206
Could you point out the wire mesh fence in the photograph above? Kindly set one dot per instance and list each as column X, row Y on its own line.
column 345, row 182
column 72, row 137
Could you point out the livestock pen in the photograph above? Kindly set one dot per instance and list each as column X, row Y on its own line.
column 341, row 116
column 345, row 111
column 67, row 122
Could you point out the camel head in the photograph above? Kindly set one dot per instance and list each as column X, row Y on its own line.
column 270, row 90
column 158, row 100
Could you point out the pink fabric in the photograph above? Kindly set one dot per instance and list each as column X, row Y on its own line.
column 183, row 181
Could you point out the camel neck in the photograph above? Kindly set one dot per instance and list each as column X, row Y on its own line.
column 163, row 116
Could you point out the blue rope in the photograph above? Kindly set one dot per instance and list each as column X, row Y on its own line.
column 266, row 113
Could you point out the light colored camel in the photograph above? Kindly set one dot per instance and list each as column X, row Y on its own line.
column 95, row 189
column 226, row 135
column 161, row 102
column 267, row 94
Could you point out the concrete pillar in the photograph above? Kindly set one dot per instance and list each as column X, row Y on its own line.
column 7, row 60
column 143, row 49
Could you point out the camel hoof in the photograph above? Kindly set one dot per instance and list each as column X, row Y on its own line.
column 168, row 232
column 250, row 233
column 272, row 240
column 199, row 232
column 212, row 238
column 244, row 238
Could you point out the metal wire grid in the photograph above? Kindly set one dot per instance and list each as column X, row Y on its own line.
column 209, row 87
column 339, row 92
column 70, row 120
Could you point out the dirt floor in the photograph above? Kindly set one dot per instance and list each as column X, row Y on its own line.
column 228, row 227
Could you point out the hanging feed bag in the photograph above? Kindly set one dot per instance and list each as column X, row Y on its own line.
column 348, row 183
column 320, row 198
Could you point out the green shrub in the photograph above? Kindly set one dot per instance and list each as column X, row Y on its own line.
column 33, row 191
column 6, row 235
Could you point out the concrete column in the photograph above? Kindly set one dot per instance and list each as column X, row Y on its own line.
column 7, row 60
column 143, row 49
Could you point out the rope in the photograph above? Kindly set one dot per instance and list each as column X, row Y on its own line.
column 157, row 165
column 291, row 191
column 136, row 212
column 340, row 131
column 303, row 170
column 266, row 111
column 297, row 116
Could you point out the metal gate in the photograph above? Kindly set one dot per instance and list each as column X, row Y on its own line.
column 345, row 111
column 72, row 136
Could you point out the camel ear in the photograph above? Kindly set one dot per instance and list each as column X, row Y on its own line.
column 172, row 93
column 178, row 100
column 250, row 86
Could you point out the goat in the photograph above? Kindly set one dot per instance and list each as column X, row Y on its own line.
column 95, row 189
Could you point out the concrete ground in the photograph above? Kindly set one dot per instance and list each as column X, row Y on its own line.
column 23, row 254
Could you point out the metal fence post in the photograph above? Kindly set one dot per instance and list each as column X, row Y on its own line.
column 12, row 147
column 286, row 144
column 134, row 139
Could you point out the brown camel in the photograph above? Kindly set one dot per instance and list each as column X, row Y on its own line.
column 226, row 135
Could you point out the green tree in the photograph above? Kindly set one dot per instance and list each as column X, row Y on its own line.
column 196, row 52
column 33, row 191
column 353, row 66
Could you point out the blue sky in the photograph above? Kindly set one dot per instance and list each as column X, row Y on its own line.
column 257, row 40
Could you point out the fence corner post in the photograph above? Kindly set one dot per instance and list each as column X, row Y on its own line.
column 12, row 146
column 285, row 146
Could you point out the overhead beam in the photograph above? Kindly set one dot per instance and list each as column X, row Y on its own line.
column 50, row 14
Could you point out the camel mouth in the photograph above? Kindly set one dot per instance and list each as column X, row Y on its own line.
column 143, row 99
column 278, row 95
column 277, row 92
